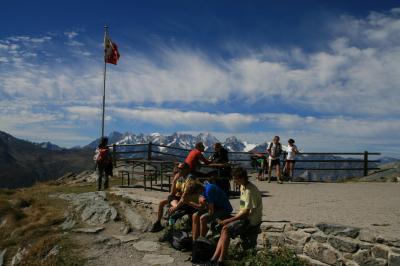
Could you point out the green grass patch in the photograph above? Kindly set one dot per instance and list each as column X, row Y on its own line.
column 263, row 257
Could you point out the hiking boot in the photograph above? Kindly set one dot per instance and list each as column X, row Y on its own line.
column 156, row 227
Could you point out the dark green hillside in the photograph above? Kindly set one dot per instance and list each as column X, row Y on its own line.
column 23, row 163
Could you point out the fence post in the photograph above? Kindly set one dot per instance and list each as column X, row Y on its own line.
column 114, row 155
column 149, row 151
column 365, row 163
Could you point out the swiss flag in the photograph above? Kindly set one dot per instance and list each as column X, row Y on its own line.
column 111, row 54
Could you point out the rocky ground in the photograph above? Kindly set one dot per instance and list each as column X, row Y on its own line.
column 116, row 235
column 110, row 228
column 102, row 229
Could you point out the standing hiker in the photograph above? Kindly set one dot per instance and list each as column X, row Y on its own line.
column 103, row 163
column 274, row 150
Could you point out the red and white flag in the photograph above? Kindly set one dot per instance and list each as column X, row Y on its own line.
column 111, row 54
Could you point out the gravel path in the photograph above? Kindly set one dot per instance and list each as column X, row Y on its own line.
column 367, row 205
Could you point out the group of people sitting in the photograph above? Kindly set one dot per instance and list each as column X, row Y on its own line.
column 204, row 196
column 267, row 162
column 196, row 194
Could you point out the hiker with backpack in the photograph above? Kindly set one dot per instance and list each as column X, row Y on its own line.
column 104, row 164
column 274, row 150
column 177, row 188
column 246, row 223
column 213, row 204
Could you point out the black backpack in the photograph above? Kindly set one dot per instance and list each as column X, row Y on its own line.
column 181, row 240
column 203, row 250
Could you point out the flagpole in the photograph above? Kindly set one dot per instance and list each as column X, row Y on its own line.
column 104, row 81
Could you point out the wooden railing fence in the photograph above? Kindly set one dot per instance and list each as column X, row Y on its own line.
column 157, row 151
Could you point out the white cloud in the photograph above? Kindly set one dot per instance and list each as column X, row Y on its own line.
column 351, row 87
column 191, row 119
column 351, row 78
column 71, row 34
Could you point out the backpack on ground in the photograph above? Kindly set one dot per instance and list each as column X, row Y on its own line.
column 181, row 240
column 203, row 250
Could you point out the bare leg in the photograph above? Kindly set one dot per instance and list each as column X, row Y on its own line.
column 218, row 249
column 224, row 243
column 278, row 173
column 195, row 226
column 203, row 225
column 161, row 209
column 174, row 203
column 291, row 171
column 269, row 173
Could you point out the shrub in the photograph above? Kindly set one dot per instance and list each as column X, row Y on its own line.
column 264, row 257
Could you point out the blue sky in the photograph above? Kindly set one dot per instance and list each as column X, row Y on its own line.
column 326, row 73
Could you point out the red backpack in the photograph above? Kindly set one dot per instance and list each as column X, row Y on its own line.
column 103, row 155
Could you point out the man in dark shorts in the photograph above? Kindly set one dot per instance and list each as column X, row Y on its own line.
column 249, row 216
column 274, row 150
column 177, row 189
column 213, row 204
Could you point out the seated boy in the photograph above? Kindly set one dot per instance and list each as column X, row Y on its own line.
column 248, row 218
column 177, row 188
column 188, row 202
column 214, row 204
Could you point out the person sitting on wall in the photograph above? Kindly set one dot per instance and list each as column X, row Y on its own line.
column 217, row 207
column 246, row 223
column 177, row 188
column 188, row 202
column 195, row 158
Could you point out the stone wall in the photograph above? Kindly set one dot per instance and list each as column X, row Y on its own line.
column 319, row 244
column 331, row 244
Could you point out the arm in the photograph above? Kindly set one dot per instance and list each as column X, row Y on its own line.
column 184, row 200
column 259, row 154
column 202, row 203
column 173, row 185
column 269, row 150
column 203, row 159
column 296, row 151
column 241, row 215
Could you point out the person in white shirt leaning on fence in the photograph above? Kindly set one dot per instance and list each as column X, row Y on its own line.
column 290, row 159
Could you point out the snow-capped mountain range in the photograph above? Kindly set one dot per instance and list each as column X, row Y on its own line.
column 178, row 140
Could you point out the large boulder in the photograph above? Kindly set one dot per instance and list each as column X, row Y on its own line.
column 93, row 207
